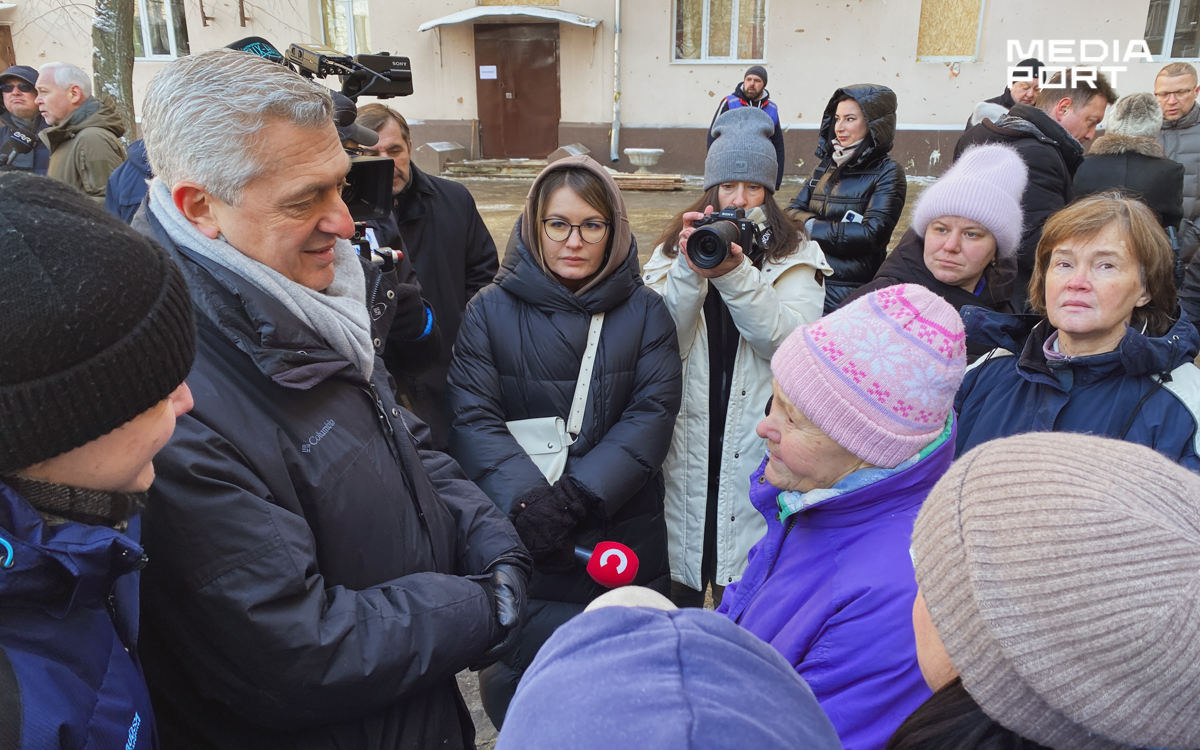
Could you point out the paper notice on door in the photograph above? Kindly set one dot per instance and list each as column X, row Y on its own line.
column 487, row 72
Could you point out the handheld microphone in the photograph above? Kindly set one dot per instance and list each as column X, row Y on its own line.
column 611, row 564
column 18, row 143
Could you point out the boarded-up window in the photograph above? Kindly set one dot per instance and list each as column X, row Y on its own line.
column 720, row 29
column 949, row 30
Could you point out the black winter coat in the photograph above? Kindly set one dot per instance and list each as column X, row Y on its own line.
column 870, row 184
column 1136, row 166
column 454, row 256
column 906, row 265
column 518, row 356
column 310, row 584
column 1052, row 156
column 1004, row 100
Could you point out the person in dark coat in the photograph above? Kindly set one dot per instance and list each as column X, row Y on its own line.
column 962, row 244
column 449, row 246
column 518, row 357
column 128, row 183
column 853, row 200
column 320, row 575
column 752, row 92
column 635, row 672
column 1023, row 89
column 91, row 382
column 19, row 111
column 1102, row 355
column 1175, row 89
column 1049, row 137
column 1129, row 157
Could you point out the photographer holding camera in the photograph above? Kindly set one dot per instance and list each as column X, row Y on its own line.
column 731, row 311
column 318, row 575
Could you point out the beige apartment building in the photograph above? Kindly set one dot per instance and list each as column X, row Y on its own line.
column 507, row 78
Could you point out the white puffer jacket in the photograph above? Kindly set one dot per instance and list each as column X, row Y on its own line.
column 766, row 306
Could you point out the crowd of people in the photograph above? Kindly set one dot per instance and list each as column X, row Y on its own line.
column 260, row 491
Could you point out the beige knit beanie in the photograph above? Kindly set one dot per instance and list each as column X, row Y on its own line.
column 1062, row 571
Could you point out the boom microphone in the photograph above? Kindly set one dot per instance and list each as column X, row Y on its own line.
column 611, row 564
column 18, row 143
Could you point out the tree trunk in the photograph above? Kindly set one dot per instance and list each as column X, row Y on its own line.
column 112, row 57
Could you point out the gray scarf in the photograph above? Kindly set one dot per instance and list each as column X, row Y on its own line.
column 338, row 314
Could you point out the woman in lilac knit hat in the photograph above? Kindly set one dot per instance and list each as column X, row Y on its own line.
column 859, row 429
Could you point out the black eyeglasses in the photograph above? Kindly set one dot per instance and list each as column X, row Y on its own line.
column 590, row 232
column 23, row 87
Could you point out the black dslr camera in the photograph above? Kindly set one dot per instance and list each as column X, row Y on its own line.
column 709, row 245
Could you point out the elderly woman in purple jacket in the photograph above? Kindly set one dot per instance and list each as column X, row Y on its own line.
column 859, row 429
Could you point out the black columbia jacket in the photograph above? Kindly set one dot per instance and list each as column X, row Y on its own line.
column 311, row 576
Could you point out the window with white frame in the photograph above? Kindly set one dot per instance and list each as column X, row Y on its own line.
column 1173, row 29
column 950, row 30
column 346, row 26
column 160, row 30
column 720, row 30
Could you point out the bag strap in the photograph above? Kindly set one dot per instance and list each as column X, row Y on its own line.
column 584, row 384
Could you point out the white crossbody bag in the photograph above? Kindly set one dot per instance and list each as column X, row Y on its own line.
column 547, row 439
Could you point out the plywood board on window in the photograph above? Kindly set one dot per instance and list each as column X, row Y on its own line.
column 949, row 28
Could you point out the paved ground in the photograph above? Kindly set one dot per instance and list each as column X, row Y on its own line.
column 501, row 201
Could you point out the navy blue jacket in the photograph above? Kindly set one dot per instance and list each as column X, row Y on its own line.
column 41, row 153
column 68, row 626
column 127, row 184
column 1111, row 394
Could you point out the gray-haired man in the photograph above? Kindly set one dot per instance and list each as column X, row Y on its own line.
column 84, row 136
column 319, row 577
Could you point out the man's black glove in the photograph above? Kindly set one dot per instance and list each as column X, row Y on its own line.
column 412, row 315
column 505, row 589
column 544, row 519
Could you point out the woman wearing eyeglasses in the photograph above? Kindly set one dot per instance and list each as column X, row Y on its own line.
column 20, row 113
column 523, row 344
column 730, row 320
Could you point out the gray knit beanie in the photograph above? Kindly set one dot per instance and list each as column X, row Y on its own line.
column 1062, row 572
column 1135, row 115
column 742, row 150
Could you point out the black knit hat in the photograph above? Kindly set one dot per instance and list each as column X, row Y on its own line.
column 95, row 321
column 756, row 70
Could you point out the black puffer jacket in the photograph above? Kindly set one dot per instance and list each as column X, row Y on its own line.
column 518, row 356
column 870, row 184
column 311, row 578
column 1136, row 166
column 1052, row 155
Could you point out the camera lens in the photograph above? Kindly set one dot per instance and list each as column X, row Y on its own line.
column 708, row 246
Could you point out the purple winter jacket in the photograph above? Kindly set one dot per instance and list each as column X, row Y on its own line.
column 832, row 589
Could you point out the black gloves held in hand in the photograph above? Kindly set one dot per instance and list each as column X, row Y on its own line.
column 412, row 317
column 505, row 589
column 545, row 518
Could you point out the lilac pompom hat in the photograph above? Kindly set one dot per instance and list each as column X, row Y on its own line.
column 879, row 375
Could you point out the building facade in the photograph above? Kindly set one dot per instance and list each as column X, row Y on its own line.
column 508, row 78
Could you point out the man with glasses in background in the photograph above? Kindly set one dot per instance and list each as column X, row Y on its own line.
column 1175, row 88
column 19, row 116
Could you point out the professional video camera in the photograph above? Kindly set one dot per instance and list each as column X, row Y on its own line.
column 368, row 191
column 708, row 246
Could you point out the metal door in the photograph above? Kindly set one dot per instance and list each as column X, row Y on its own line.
column 517, row 87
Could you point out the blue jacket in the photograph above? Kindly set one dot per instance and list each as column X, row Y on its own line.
column 831, row 588
column 40, row 159
column 69, row 676
column 1111, row 394
column 127, row 185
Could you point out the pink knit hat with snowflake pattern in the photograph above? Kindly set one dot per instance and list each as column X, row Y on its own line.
column 879, row 375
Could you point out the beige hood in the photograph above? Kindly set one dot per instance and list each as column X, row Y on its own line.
column 622, row 237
